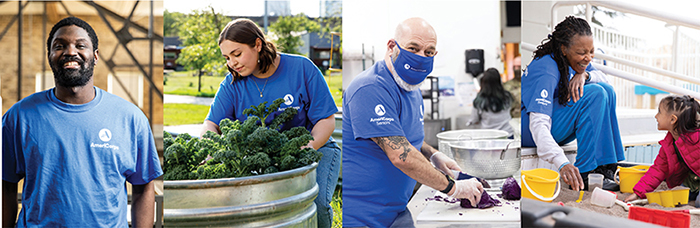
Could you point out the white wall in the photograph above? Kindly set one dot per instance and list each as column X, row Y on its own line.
column 459, row 25
column 536, row 23
column 510, row 34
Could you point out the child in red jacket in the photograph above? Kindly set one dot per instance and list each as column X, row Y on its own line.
column 678, row 161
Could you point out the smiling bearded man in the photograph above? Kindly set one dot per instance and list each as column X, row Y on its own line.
column 75, row 146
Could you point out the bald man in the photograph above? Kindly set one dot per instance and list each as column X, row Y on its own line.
column 383, row 149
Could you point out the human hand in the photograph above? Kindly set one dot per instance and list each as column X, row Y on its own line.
column 576, row 86
column 309, row 145
column 572, row 177
column 631, row 197
column 444, row 164
column 470, row 189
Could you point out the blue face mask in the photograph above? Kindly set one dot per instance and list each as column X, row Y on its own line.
column 412, row 68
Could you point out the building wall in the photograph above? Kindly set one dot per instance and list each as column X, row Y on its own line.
column 34, row 56
column 537, row 23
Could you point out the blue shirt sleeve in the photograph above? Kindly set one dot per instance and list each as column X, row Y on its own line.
column 539, row 86
column 12, row 159
column 147, row 164
column 590, row 68
column 374, row 113
column 222, row 107
column 322, row 105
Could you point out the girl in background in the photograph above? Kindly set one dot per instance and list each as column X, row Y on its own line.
column 492, row 104
column 678, row 161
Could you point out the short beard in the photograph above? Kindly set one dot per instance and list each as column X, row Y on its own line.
column 403, row 84
column 73, row 78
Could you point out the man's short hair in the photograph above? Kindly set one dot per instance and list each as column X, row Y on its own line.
column 68, row 21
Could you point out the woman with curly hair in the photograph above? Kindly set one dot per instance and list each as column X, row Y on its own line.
column 565, row 98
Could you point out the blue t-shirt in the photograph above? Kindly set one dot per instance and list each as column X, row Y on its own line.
column 374, row 190
column 539, row 85
column 297, row 80
column 76, row 159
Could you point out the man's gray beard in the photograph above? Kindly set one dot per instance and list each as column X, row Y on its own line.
column 403, row 84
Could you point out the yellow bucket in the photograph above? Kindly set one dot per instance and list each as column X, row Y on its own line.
column 654, row 197
column 680, row 196
column 540, row 184
column 669, row 198
column 629, row 176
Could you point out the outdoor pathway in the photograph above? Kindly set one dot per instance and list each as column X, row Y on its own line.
column 192, row 129
column 168, row 98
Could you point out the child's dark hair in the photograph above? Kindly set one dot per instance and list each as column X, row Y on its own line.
column 492, row 97
column 563, row 34
column 688, row 110
column 68, row 21
column 245, row 31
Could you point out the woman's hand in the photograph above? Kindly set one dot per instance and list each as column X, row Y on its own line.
column 631, row 197
column 309, row 145
column 572, row 177
column 576, row 86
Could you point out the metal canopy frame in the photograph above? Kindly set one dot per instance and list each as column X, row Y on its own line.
column 123, row 35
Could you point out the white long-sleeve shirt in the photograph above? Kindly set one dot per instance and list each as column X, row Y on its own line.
column 547, row 147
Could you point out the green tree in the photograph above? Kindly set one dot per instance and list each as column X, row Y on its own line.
column 171, row 22
column 332, row 27
column 199, row 32
column 288, row 29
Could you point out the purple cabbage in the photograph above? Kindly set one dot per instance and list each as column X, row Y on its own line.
column 464, row 176
column 485, row 202
column 511, row 189
column 442, row 199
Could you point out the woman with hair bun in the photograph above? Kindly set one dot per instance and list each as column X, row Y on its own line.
column 565, row 98
column 259, row 73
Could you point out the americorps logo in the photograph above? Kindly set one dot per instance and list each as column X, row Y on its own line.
column 379, row 110
column 381, row 120
column 105, row 135
column 406, row 66
column 288, row 99
column 543, row 100
column 422, row 112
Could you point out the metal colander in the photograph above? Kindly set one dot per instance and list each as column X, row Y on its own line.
column 447, row 137
column 488, row 159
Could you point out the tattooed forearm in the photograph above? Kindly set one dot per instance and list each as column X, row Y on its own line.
column 394, row 143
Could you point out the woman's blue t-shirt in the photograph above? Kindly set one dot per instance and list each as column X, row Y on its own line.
column 296, row 79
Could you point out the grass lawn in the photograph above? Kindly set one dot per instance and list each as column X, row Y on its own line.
column 337, row 205
column 183, row 83
column 179, row 114
column 336, row 87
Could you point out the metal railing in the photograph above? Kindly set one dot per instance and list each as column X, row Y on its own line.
column 631, row 62
column 633, row 77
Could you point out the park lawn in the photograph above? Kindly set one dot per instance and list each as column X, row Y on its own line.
column 337, row 205
column 183, row 83
column 336, row 87
column 179, row 114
